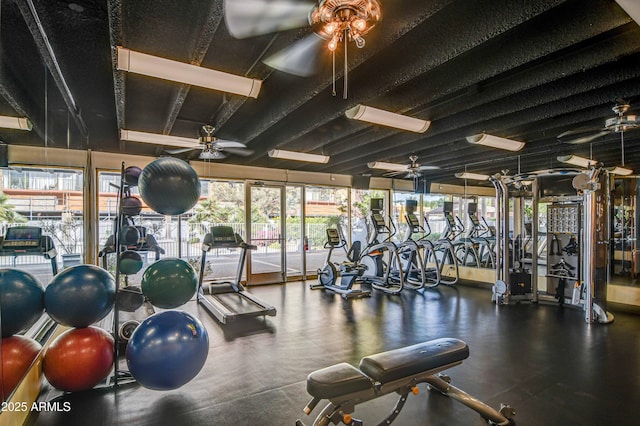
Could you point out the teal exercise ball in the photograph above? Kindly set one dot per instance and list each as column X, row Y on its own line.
column 80, row 295
column 169, row 283
column 130, row 262
column 169, row 186
column 21, row 300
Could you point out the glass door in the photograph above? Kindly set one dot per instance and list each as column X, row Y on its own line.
column 297, row 242
column 266, row 225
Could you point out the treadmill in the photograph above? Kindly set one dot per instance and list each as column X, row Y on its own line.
column 28, row 241
column 228, row 301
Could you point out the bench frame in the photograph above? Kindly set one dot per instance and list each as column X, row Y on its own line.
column 339, row 408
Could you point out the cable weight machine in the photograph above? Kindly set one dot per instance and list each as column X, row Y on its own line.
column 570, row 208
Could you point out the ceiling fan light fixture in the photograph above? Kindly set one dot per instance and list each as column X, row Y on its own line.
column 472, row 176
column 495, row 142
column 576, row 160
column 620, row 171
column 394, row 167
column 17, row 123
column 387, row 118
column 156, row 138
column 167, row 69
column 298, row 156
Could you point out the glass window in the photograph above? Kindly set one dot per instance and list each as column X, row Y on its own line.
column 48, row 198
column 326, row 207
column 432, row 214
column 360, row 211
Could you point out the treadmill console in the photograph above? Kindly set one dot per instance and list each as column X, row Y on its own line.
column 224, row 235
column 22, row 238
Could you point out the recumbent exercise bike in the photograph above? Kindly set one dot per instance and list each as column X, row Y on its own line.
column 349, row 270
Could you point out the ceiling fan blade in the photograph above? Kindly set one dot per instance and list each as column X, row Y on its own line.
column 246, row 18
column 181, row 150
column 391, row 174
column 244, row 152
column 229, row 144
column 580, row 131
column 301, row 58
column 429, row 167
column 586, row 139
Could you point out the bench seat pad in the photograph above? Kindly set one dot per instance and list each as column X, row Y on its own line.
column 336, row 380
column 411, row 360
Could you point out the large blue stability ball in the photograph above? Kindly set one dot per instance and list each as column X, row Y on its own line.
column 167, row 350
column 21, row 301
column 80, row 295
column 169, row 186
column 169, row 283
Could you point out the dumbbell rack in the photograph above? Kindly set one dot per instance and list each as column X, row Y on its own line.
column 563, row 249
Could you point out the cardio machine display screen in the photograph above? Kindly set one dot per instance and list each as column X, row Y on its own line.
column 23, row 233
column 378, row 219
column 413, row 220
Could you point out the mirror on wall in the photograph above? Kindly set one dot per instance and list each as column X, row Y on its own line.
column 624, row 266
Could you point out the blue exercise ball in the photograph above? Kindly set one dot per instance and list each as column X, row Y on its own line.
column 80, row 295
column 169, row 186
column 169, row 283
column 21, row 301
column 167, row 350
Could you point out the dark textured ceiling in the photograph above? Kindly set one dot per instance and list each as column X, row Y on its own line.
column 527, row 70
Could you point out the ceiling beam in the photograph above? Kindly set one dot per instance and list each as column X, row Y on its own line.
column 480, row 22
column 197, row 52
column 409, row 17
column 39, row 34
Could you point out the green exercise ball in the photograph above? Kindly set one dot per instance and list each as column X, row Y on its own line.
column 130, row 262
column 169, row 283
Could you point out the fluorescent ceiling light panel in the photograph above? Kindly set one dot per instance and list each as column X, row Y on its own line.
column 621, row 171
column 18, row 123
column 394, row 167
column 386, row 118
column 577, row 161
column 158, row 139
column 472, row 176
column 298, row 156
column 496, row 142
column 153, row 66
column 632, row 7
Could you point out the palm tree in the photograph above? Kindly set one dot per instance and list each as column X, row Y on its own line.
column 7, row 212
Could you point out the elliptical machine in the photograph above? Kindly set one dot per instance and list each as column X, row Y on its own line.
column 445, row 248
column 424, row 262
column 381, row 258
column 349, row 270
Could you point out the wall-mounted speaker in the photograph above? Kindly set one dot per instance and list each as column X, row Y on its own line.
column 360, row 182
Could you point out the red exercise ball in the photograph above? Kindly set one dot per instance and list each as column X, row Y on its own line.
column 18, row 352
column 79, row 359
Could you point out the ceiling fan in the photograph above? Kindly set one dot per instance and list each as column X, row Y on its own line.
column 214, row 148
column 333, row 22
column 411, row 171
column 619, row 124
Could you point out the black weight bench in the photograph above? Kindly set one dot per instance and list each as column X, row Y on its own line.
column 399, row 371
